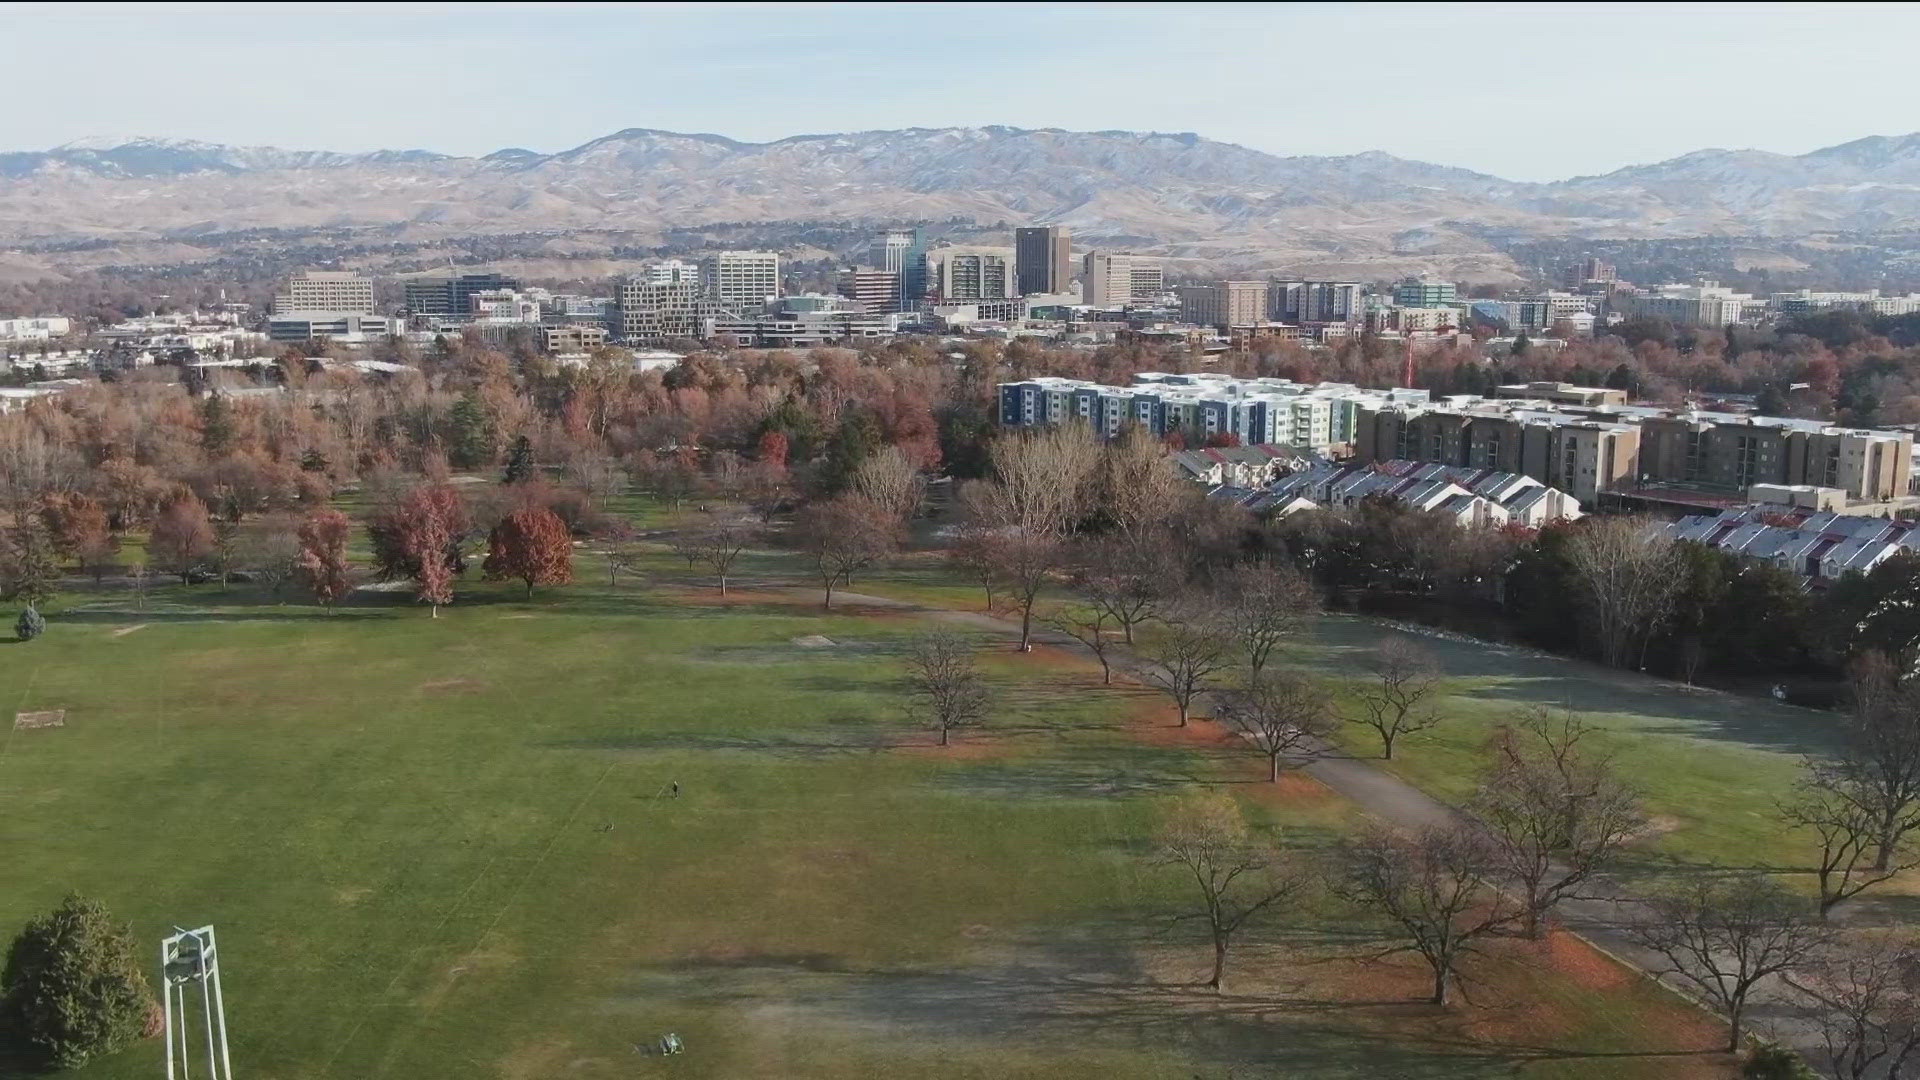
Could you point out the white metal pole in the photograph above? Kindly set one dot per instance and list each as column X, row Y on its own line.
column 166, row 1006
column 206, row 1003
column 220, row 1006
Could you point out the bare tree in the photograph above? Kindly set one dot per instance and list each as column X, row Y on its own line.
column 1434, row 887
column 1723, row 937
column 1555, row 808
column 613, row 538
column 1040, row 478
column 1841, row 814
column 1124, row 577
column 720, row 546
column 1864, row 1000
column 685, row 543
column 1137, row 486
column 1878, row 765
column 1090, row 626
column 842, row 537
column 1627, row 573
column 1180, row 660
column 1281, row 715
column 271, row 553
column 1401, row 694
column 944, row 688
column 890, row 480
column 1262, row 605
column 1237, row 878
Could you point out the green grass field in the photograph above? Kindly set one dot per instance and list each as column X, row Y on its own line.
column 445, row 848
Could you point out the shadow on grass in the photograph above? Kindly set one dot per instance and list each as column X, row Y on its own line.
column 1087, row 987
column 1522, row 678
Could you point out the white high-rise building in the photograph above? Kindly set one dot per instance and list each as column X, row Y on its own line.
column 334, row 291
column 742, row 281
column 670, row 272
column 1113, row 278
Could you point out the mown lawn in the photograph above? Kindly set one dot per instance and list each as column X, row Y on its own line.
column 447, row 848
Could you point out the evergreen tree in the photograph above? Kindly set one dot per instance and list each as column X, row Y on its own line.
column 216, row 425
column 857, row 438
column 29, row 561
column 470, row 442
column 30, row 625
column 1521, row 345
column 520, row 461
column 73, row 986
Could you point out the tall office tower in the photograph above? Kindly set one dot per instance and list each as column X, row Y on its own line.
column 1111, row 279
column 334, row 291
column 957, row 274
column 452, row 298
column 876, row 291
column 901, row 251
column 1042, row 257
column 741, row 280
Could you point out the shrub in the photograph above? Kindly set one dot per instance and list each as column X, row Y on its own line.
column 1771, row 1061
column 73, row 988
column 31, row 624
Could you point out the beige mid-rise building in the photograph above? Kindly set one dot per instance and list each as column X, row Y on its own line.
column 1224, row 304
column 335, row 291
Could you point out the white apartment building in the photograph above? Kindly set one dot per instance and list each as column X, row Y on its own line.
column 652, row 312
column 669, row 272
column 964, row 274
column 741, row 281
column 334, row 291
column 36, row 328
column 1705, row 304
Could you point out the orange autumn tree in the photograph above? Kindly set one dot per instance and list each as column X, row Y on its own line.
column 532, row 545
column 323, row 556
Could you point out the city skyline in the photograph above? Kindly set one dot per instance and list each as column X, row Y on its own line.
column 568, row 74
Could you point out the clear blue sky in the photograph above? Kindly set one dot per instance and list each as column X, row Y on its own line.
column 1524, row 91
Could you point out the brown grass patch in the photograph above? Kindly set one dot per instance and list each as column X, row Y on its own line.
column 961, row 748
column 49, row 718
column 449, row 686
column 1158, row 722
column 125, row 630
column 1587, row 966
column 1294, row 790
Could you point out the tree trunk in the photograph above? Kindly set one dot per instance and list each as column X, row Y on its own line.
column 723, row 584
column 1386, row 747
column 1126, row 629
column 529, row 588
column 1273, row 768
column 943, row 736
column 1734, row 1030
column 827, row 603
column 434, row 610
column 1106, row 672
column 1442, row 984
column 1026, row 627
column 1218, row 982
column 1183, row 713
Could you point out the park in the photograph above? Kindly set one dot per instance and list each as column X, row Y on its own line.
column 537, row 830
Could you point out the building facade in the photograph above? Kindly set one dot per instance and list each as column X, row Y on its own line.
column 1042, row 259
column 902, row 252
column 958, row 274
column 1302, row 302
column 741, row 281
column 1118, row 278
column 654, row 313
column 333, row 291
column 1420, row 293
column 1224, row 304
column 876, row 291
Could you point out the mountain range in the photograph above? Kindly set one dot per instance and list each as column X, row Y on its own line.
column 1178, row 195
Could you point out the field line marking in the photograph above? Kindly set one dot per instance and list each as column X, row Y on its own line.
column 506, row 905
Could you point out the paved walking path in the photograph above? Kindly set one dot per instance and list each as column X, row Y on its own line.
column 1600, row 916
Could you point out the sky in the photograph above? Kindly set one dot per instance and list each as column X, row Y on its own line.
column 1526, row 92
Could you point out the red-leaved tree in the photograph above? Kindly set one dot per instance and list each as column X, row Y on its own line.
column 182, row 539
column 532, row 545
column 323, row 556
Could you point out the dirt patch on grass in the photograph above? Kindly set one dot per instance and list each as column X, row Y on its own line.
column 450, row 686
column 32, row 721
column 961, row 748
column 125, row 630
column 1584, row 964
column 1294, row 790
column 1157, row 723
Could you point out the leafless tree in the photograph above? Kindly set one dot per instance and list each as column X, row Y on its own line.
column 1627, row 572
column 842, row 537
column 972, row 548
column 1136, row 483
column 721, row 544
column 1878, row 763
column 1723, row 937
column 1401, row 694
column 1125, row 577
column 1237, row 878
column 1040, row 478
column 1283, row 716
column 888, row 479
column 1026, row 564
column 270, row 553
column 613, row 538
column 1181, row 659
column 1840, row 814
column 1863, row 998
column 1555, row 808
column 1434, row 887
column 685, row 543
column 945, row 690
column 1090, row 626
column 1262, row 605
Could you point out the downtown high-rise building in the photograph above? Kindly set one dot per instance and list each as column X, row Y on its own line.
column 334, row 291
column 741, row 281
column 1224, row 304
column 1118, row 278
column 902, row 252
column 1042, row 259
